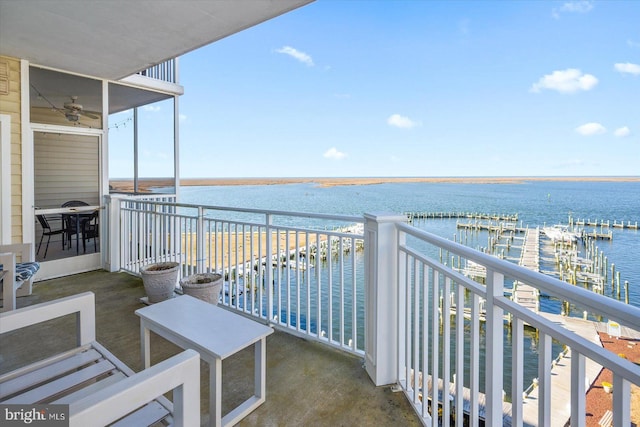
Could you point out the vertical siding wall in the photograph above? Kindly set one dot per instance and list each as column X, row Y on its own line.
column 10, row 104
column 66, row 168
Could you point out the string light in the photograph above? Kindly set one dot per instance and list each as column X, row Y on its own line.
column 122, row 123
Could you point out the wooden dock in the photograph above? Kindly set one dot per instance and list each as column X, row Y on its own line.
column 459, row 215
column 466, row 399
column 603, row 224
column 561, row 374
column 524, row 294
column 499, row 227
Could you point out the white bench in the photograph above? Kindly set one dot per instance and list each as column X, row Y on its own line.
column 99, row 388
column 17, row 278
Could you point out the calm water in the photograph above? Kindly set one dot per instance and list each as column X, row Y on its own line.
column 536, row 203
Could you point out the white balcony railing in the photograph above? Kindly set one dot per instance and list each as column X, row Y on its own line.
column 412, row 317
column 314, row 270
column 166, row 71
column 439, row 308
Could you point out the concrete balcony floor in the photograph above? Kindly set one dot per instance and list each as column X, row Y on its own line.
column 308, row 383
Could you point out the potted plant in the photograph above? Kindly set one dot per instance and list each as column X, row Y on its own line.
column 607, row 386
column 159, row 280
column 204, row 286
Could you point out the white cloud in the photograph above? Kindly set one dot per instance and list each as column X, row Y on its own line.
column 622, row 132
column 334, row 154
column 401, row 122
column 592, row 128
column 182, row 118
column 152, row 108
column 294, row 53
column 580, row 6
column 570, row 80
column 628, row 67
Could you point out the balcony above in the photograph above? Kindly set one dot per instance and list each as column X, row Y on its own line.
column 115, row 39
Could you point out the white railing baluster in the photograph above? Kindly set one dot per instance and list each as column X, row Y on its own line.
column 446, row 348
column 411, row 383
column 578, row 387
column 252, row 273
column 269, row 267
column 298, row 277
column 474, row 374
column 418, row 383
column 544, row 380
column 494, row 349
column 342, row 291
column 200, row 251
column 424, row 326
column 329, row 289
column 403, row 282
column 459, row 369
column 517, row 369
column 621, row 401
column 435, row 346
column 354, row 298
column 262, row 280
column 318, row 287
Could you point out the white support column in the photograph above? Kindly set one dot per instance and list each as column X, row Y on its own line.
column 113, row 236
column 381, row 242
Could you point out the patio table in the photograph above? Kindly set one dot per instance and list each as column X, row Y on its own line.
column 77, row 211
column 215, row 333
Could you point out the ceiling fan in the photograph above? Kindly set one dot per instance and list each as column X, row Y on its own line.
column 72, row 110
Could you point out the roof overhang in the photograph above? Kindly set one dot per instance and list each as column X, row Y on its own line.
column 117, row 38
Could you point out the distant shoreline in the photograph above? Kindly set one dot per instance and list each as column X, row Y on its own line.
column 147, row 184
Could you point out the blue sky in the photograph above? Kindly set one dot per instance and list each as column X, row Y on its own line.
column 419, row 88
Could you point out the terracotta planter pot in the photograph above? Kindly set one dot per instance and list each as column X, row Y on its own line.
column 160, row 280
column 205, row 286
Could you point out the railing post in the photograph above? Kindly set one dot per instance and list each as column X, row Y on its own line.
column 112, row 261
column 494, row 349
column 381, row 240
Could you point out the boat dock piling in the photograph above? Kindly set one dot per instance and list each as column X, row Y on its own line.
column 456, row 215
column 602, row 224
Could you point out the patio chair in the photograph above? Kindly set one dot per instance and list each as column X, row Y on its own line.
column 47, row 231
column 69, row 221
column 98, row 387
column 17, row 277
column 90, row 230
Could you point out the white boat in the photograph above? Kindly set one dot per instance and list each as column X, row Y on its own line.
column 560, row 233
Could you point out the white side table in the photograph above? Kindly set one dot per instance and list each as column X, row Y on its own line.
column 216, row 334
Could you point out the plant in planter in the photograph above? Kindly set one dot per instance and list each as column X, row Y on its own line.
column 159, row 280
column 607, row 386
column 204, row 286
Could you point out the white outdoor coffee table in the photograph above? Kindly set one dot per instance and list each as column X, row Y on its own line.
column 216, row 334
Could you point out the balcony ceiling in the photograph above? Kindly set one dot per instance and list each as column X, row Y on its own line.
column 117, row 38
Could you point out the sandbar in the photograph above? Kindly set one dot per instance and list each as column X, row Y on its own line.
column 146, row 185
